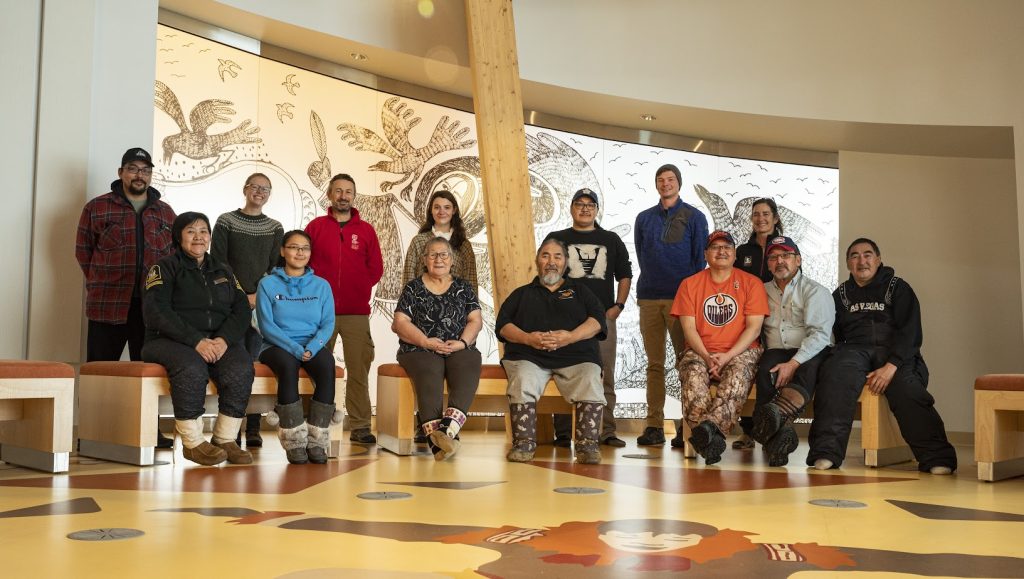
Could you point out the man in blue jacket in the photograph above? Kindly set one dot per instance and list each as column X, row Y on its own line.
column 669, row 240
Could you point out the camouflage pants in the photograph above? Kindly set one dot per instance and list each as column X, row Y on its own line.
column 723, row 407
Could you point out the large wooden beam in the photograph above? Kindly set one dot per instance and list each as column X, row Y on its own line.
column 498, row 104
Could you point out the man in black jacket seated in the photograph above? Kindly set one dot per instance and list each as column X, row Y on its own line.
column 878, row 344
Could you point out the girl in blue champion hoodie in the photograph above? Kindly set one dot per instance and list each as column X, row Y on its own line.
column 295, row 311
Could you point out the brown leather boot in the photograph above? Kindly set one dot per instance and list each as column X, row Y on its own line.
column 195, row 447
column 224, row 430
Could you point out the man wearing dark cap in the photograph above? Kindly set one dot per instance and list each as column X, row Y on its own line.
column 720, row 310
column 796, row 335
column 669, row 239
column 598, row 260
column 120, row 235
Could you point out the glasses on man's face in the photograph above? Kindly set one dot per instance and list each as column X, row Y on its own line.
column 260, row 188
column 136, row 170
column 717, row 248
column 442, row 255
column 298, row 248
column 777, row 256
column 587, row 206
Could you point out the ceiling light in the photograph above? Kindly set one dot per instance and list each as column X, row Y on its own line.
column 358, row 56
column 648, row 117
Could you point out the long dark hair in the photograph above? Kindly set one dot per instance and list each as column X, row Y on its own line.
column 458, row 230
column 289, row 235
column 775, row 213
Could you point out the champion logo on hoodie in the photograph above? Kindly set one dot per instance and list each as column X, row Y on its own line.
column 282, row 297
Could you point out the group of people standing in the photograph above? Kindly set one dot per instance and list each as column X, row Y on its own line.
column 205, row 302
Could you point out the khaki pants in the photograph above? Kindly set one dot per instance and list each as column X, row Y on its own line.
column 357, row 348
column 655, row 321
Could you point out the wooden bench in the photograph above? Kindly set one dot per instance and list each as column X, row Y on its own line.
column 880, row 434
column 396, row 405
column 37, row 403
column 119, row 403
column 999, row 426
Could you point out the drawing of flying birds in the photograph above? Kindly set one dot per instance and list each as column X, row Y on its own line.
column 284, row 110
column 229, row 67
column 406, row 160
column 194, row 142
column 290, row 85
column 798, row 227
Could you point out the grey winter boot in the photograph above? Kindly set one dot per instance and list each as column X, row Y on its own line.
column 588, row 426
column 321, row 417
column 444, row 436
column 524, row 432
column 292, row 430
column 194, row 445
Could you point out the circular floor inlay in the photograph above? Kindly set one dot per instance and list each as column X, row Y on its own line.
column 384, row 496
column 838, row 504
column 579, row 490
column 105, row 534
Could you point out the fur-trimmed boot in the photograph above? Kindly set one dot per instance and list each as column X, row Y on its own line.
column 195, row 447
column 444, row 436
column 588, row 426
column 321, row 417
column 291, row 430
column 225, row 428
column 524, row 432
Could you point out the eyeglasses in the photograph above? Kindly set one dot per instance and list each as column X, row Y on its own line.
column 264, row 190
column 442, row 255
column 298, row 248
column 136, row 170
column 717, row 248
column 778, row 256
column 587, row 206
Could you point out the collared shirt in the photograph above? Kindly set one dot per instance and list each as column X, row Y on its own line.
column 800, row 317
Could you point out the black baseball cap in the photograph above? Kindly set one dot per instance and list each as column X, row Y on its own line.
column 136, row 154
column 586, row 193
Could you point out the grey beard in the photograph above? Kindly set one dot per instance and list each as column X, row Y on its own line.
column 550, row 278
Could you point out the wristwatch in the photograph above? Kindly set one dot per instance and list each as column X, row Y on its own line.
column 621, row 305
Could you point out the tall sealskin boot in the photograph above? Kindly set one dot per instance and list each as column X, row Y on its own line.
column 195, row 447
column 444, row 436
column 588, row 427
column 291, row 431
column 321, row 417
column 428, row 428
column 524, row 432
column 224, row 431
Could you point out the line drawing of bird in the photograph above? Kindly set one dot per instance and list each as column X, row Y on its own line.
column 204, row 50
column 194, row 142
column 827, row 206
column 809, row 192
column 742, row 175
column 832, row 192
column 397, row 120
column 783, row 195
column 801, row 179
column 829, row 222
column 804, row 204
column 615, row 159
column 638, row 186
column 724, row 180
column 656, row 152
column 610, row 184
column 178, row 75
column 823, row 181
column 229, row 67
column 775, row 180
column 618, row 144
column 169, row 35
column 641, row 163
column 284, row 110
column 626, row 202
column 166, row 50
column 187, row 45
column 289, row 85
column 170, row 62
column 733, row 193
column 734, row 164
column 594, row 156
column 687, row 161
column 761, row 167
column 631, row 174
column 754, row 186
column 575, row 141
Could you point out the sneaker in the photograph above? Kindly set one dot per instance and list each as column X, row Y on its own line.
column 362, row 436
column 823, row 464
column 612, row 440
column 744, row 442
column 678, row 441
column 651, row 437
column 781, row 445
column 253, row 440
column 940, row 470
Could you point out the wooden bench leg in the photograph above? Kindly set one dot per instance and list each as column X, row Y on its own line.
column 131, row 438
column 396, row 405
column 37, row 419
column 999, row 434
column 880, row 434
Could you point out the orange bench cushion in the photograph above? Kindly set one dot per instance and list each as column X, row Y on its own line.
column 150, row 370
column 1001, row 382
column 487, row 371
column 33, row 369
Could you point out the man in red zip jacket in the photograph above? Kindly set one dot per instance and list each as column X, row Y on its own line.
column 346, row 253
column 120, row 235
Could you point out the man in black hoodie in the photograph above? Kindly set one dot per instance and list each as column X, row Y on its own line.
column 878, row 345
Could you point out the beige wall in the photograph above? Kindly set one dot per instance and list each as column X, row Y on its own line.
column 948, row 226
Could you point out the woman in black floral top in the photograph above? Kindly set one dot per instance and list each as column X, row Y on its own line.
column 437, row 320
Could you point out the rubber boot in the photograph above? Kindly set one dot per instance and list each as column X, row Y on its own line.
column 291, row 430
column 321, row 417
column 195, row 447
column 444, row 436
column 224, row 431
column 524, row 432
column 588, row 427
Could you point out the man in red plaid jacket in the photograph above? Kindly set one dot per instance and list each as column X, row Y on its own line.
column 120, row 235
